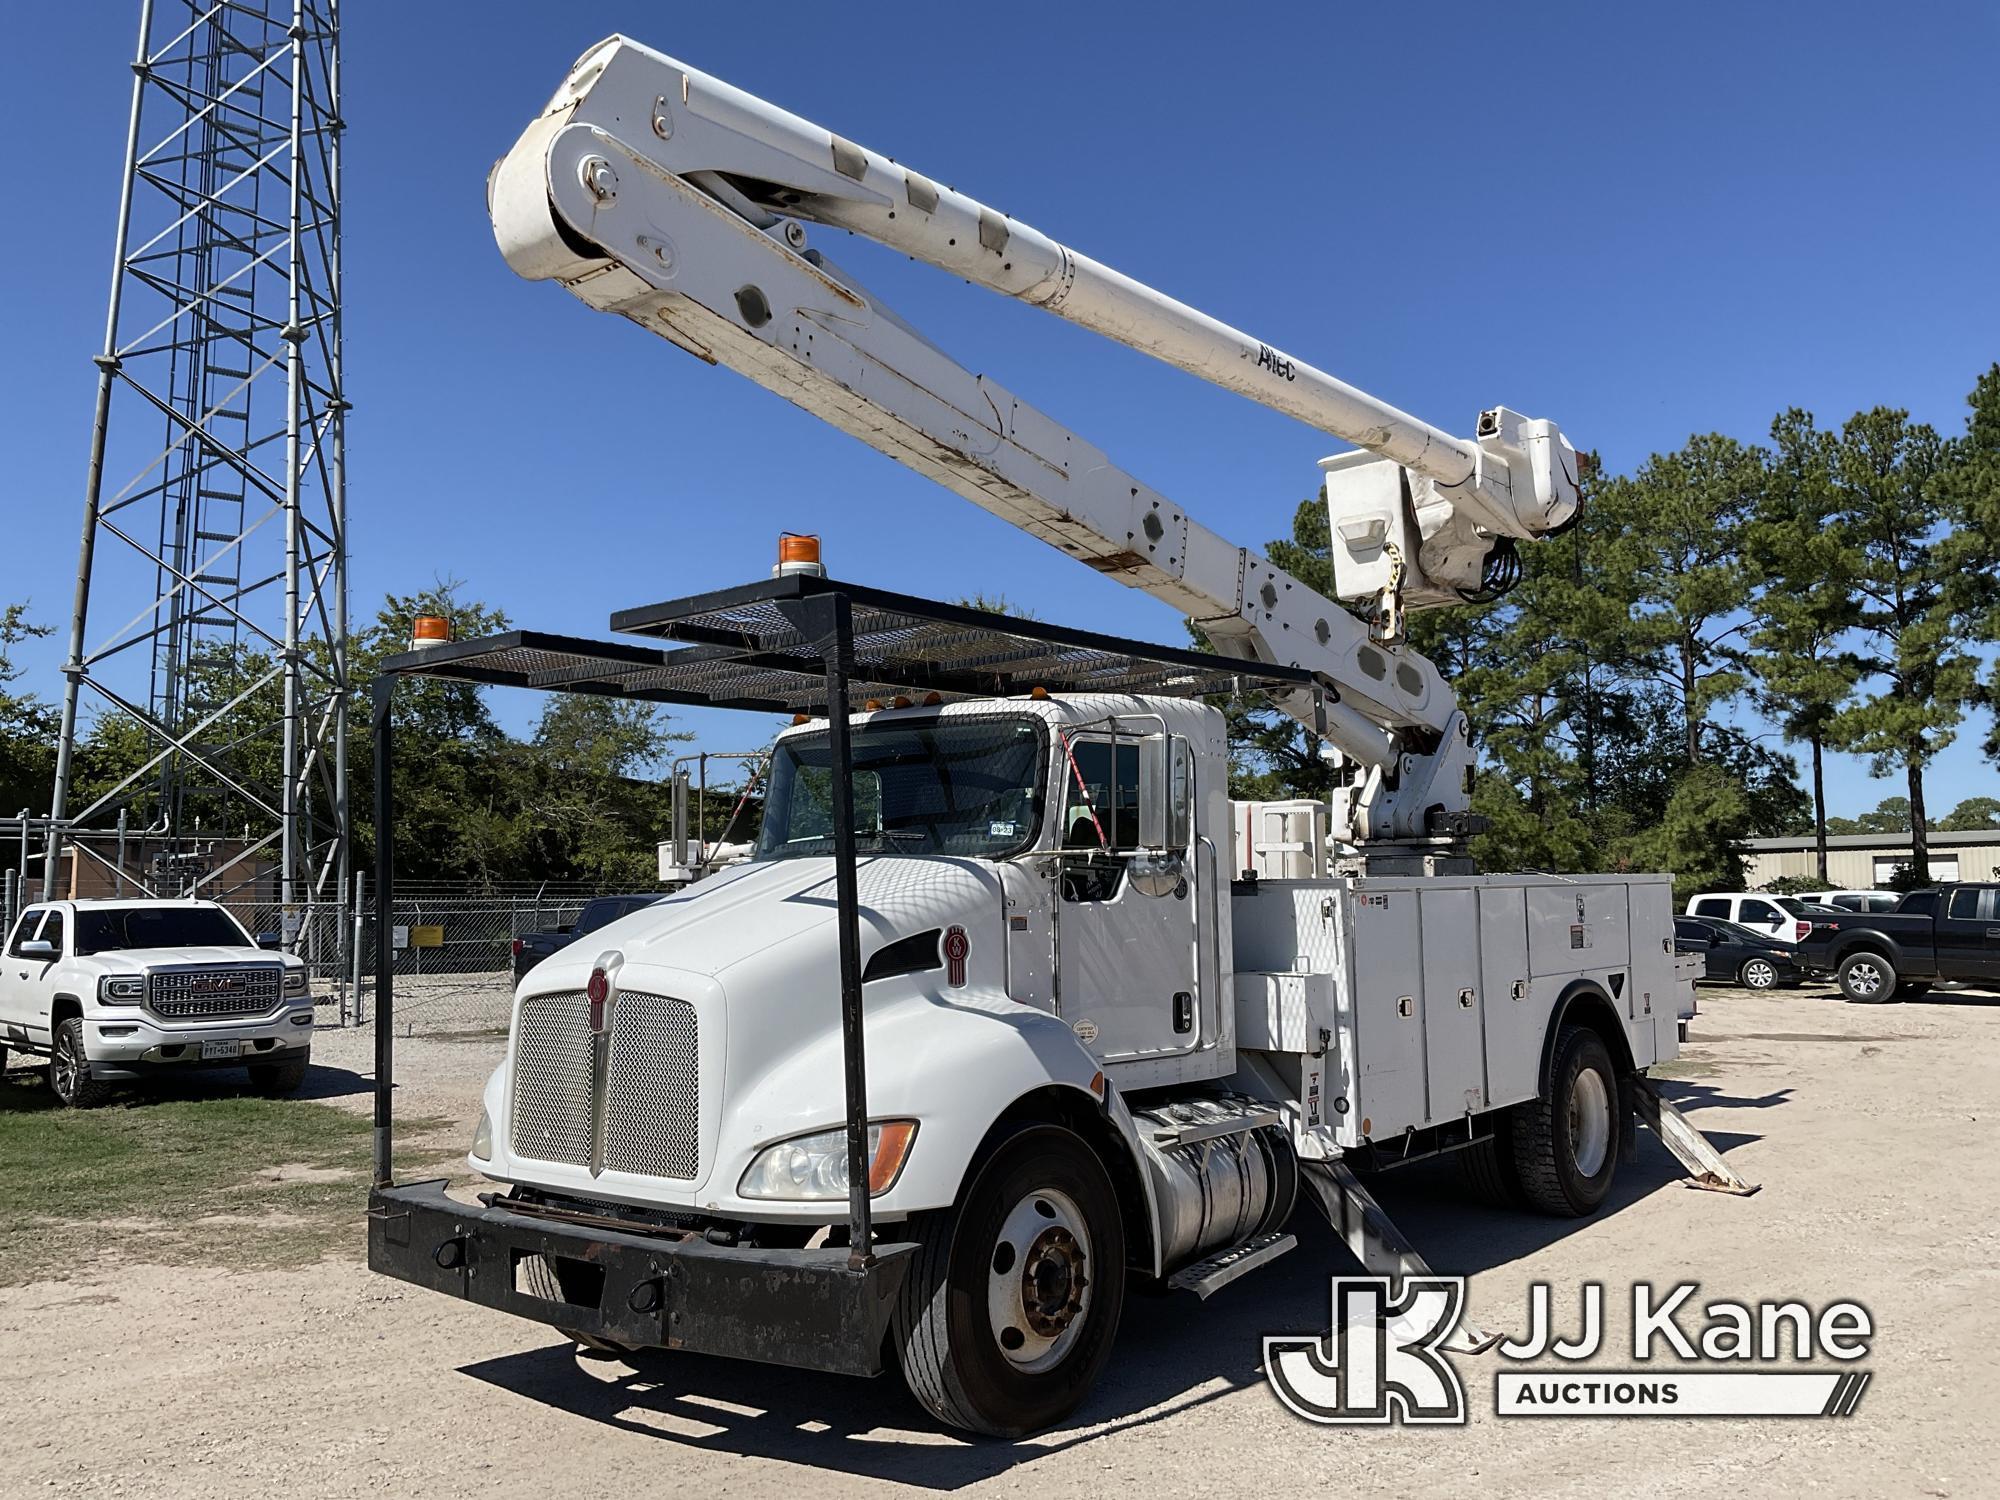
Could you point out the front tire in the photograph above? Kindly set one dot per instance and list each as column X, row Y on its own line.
column 1867, row 978
column 1758, row 974
column 1566, row 1145
column 69, row 1070
column 1012, row 1299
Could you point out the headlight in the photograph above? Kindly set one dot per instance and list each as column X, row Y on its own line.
column 122, row 989
column 814, row 1167
column 482, row 1136
column 296, row 982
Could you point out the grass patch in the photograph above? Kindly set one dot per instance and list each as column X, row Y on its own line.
column 179, row 1176
column 1682, row 1067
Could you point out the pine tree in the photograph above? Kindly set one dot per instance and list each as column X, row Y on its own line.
column 1679, row 523
column 1892, row 519
column 1807, row 603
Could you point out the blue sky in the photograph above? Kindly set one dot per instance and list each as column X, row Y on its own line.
column 1640, row 221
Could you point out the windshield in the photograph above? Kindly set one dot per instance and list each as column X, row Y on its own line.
column 156, row 927
column 966, row 787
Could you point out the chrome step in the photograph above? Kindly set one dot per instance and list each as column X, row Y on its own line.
column 1206, row 1277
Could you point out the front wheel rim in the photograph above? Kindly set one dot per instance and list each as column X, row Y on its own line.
column 1760, row 975
column 66, row 1067
column 1038, row 1281
column 1589, row 1122
column 1864, row 979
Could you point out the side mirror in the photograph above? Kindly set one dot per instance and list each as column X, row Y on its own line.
column 1165, row 800
column 270, row 942
column 38, row 948
column 1154, row 874
column 680, row 806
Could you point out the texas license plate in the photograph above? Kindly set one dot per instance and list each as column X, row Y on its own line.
column 210, row 1051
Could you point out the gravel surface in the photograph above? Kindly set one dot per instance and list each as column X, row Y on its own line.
column 1871, row 1129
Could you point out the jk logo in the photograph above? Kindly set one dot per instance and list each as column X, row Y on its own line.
column 1381, row 1360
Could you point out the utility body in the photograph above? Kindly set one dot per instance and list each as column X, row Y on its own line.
column 987, row 1027
column 115, row 991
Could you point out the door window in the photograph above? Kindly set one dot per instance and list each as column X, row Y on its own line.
column 1760, row 911
column 52, row 931
column 23, row 930
column 1712, row 906
column 1101, row 810
column 1966, row 902
column 1100, row 815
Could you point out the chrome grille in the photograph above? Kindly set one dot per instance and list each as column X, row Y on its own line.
column 652, row 1121
column 551, row 1109
column 650, row 1088
column 206, row 994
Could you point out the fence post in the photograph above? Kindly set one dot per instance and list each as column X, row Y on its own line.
column 359, row 910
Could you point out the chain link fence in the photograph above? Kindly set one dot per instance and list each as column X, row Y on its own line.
column 452, row 951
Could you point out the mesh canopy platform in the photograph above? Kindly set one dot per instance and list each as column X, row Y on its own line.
column 750, row 648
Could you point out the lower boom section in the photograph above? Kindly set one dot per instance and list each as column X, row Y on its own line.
column 805, row 1308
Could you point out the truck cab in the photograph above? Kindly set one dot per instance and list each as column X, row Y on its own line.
column 119, row 991
column 1012, row 904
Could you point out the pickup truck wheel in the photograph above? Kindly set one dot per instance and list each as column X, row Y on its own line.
column 1566, row 1145
column 1012, row 1299
column 1758, row 974
column 1867, row 978
column 273, row 1080
column 69, row 1069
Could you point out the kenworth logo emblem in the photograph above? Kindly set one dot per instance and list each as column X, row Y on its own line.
column 956, row 946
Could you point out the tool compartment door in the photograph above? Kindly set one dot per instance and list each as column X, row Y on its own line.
column 1514, row 1017
column 1454, row 1055
column 1389, row 1084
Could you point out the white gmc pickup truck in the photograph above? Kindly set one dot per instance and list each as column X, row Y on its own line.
column 111, row 991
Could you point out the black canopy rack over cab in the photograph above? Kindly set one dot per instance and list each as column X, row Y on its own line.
column 789, row 645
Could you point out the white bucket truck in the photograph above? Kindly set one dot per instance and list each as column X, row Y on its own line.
column 985, row 1029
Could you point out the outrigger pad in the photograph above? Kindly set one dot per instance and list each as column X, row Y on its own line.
column 1376, row 1241
column 1706, row 1168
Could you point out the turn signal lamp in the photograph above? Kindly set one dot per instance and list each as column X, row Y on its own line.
column 429, row 630
column 798, row 553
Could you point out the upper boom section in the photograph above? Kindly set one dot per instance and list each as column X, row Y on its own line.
column 652, row 190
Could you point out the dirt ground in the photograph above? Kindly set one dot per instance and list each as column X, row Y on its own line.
column 1871, row 1128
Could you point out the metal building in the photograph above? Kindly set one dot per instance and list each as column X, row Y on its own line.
column 206, row 692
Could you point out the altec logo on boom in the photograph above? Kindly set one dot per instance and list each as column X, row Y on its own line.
column 1385, row 1359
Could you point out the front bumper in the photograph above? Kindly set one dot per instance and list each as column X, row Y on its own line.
column 804, row 1308
column 132, row 1045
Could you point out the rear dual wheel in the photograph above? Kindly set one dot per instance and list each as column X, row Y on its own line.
column 1012, row 1299
column 1565, row 1145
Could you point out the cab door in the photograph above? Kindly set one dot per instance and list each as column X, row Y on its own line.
column 1968, row 933
column 1126, row 929
column 20, row 975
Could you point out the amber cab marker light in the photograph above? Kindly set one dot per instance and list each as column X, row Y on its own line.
column 429, row 630
column 932, row 700
column 890, row 1149
column 798, row 553
column 872, row 705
